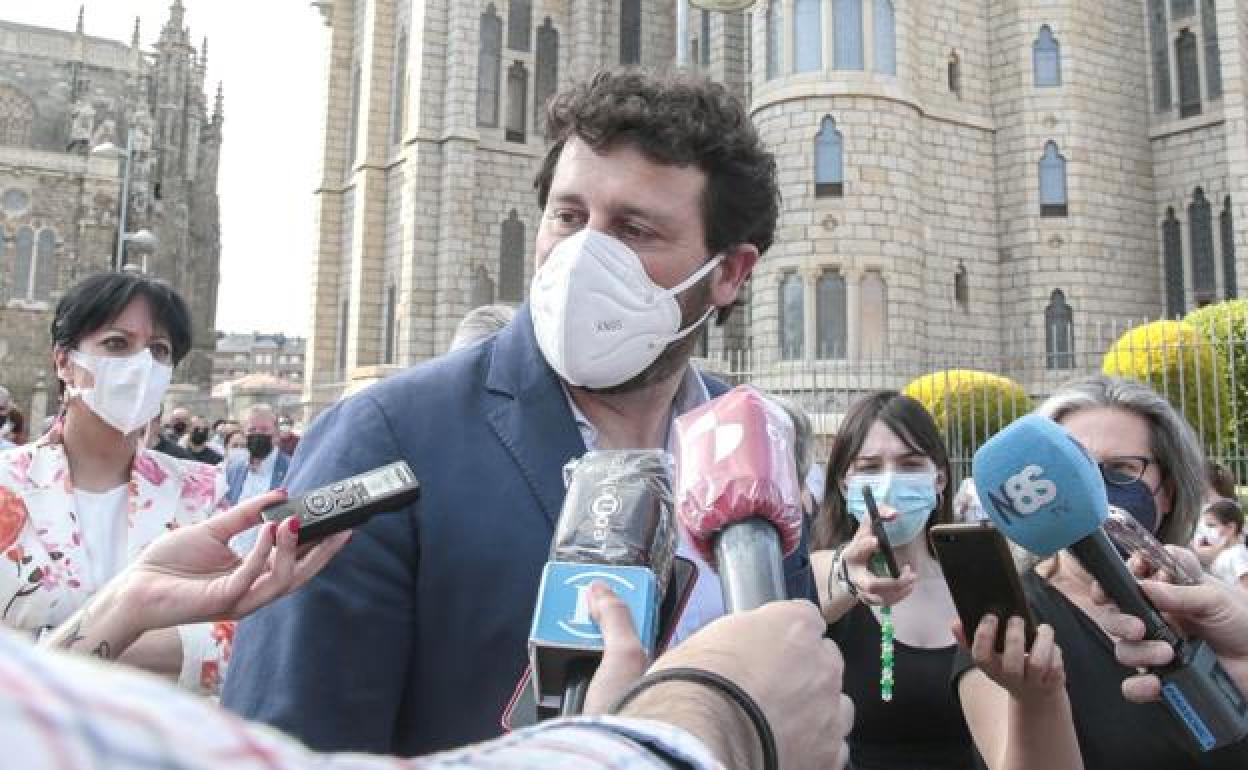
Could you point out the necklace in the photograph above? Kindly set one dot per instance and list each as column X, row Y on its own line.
column 886, row 654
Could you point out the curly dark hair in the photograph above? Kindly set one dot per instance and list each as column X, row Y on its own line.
column 676, row 119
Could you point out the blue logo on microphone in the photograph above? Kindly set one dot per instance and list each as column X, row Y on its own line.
column 562, row 617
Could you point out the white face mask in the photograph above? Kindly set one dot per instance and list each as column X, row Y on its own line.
column 127, row 391
column 599, row 319
column 1211, row 535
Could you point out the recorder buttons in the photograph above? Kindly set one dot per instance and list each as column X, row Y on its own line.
column 319, row 504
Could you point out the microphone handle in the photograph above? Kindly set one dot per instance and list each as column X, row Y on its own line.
column 1099, row 557
column 751, row 564
column 579, row 674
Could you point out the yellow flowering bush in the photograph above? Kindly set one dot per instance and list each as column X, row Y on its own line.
column 968, row 405
column 1177, row 361
column 1225, row 325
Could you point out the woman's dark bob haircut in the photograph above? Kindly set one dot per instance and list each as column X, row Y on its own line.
column 98, row 299
column 912, row 424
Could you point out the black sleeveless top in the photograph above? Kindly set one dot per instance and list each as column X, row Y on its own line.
column 922, row 728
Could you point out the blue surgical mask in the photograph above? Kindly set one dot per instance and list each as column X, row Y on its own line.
column 912, row 495
column 1136, row 499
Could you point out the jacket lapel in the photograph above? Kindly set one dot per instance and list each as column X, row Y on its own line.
column 527, row 409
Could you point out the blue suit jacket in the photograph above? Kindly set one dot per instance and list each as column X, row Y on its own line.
column 414, row 637
column 236, row 476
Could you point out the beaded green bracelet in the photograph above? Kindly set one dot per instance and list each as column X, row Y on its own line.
column 886, row 654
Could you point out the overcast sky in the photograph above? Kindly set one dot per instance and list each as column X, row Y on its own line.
column 270, row 55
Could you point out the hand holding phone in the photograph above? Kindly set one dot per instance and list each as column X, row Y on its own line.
column 883, row 562
column 982, row 578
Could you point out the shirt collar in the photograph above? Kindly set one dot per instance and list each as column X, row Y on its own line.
column 691, row 394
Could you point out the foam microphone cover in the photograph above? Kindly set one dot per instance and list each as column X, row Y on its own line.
column 1040, row 486
column 618, row 512
column 735, row 460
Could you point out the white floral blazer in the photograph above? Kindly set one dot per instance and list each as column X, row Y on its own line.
column 42, row 576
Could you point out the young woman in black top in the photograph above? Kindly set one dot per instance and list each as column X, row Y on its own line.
column 1063, row 707
column 889, row 442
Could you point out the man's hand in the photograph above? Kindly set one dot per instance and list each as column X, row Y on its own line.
column 190, row 574
column 623, row 659
column 778, row 655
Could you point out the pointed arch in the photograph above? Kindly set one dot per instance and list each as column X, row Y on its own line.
column 489, row 67
column 511, row 259
column 1172, row 256
column 1053, row 201
column 1059, row 332
column 1046, row 55
column 829, row 160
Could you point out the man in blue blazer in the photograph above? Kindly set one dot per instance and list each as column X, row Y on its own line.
column 659, row 199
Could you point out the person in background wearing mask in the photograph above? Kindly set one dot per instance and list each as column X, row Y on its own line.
column 658, row 198
column 157, row 439
column 264, row 468
column 221, row 429
column 1053, row 707
column 909, row 717
column 83, row 502
column 287, row 439
column 197, row 443
column 178, row 424
column 1219, row 542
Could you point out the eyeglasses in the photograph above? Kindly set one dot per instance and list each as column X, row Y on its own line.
column 1124, row 470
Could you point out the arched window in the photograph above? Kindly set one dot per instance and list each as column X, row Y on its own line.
column 955, row 74
column 1182, row 8
column 630, row 32
column 831, row 318
column 849, row 35
column 398, row 112
column 1172, row 247
column 1213, row 57
column 885, row 37
column 829, row 160
column 17, row 115
column 45, row 265
column 519, row 22
column 489, row 67
column 807, row 35
column 517, row 102
column 390, row 343
column 872, row 316
column 511, row 260
column 792, row 317
column 1059, row 332
column 775, row 39
column 1230, row 282
column 1158, row 38
column 481, row 291
column 961, row 289
column 1046, row 55
column 353, row 124
column 24, row 264
column 1200, row 225
column 1052, row 182
column 1186, row 57
column 546, row 74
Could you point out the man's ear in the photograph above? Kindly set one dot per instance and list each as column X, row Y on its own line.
column 733, row 271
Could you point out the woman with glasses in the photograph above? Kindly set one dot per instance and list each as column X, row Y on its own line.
column 1153, row 469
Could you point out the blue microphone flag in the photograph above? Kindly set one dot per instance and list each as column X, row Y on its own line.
column 1039, row 485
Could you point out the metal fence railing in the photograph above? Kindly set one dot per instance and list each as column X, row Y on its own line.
column 1203, row 374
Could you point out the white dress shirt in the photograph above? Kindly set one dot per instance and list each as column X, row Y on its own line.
column 706, row 601
column 259, row 480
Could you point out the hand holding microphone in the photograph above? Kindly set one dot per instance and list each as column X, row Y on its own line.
column 1045, row 493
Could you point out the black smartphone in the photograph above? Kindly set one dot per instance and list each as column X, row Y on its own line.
column 349, row 503
column 884, row 562
column 981, row 577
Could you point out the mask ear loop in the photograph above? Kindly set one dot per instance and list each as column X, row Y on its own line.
column 684, row 286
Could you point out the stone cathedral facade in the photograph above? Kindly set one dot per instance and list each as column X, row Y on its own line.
column 70, row 106
column 958, row 175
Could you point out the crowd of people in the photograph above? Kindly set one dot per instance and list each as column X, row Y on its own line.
column 136, row 537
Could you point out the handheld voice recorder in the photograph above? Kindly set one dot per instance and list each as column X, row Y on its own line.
column 350, row 502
